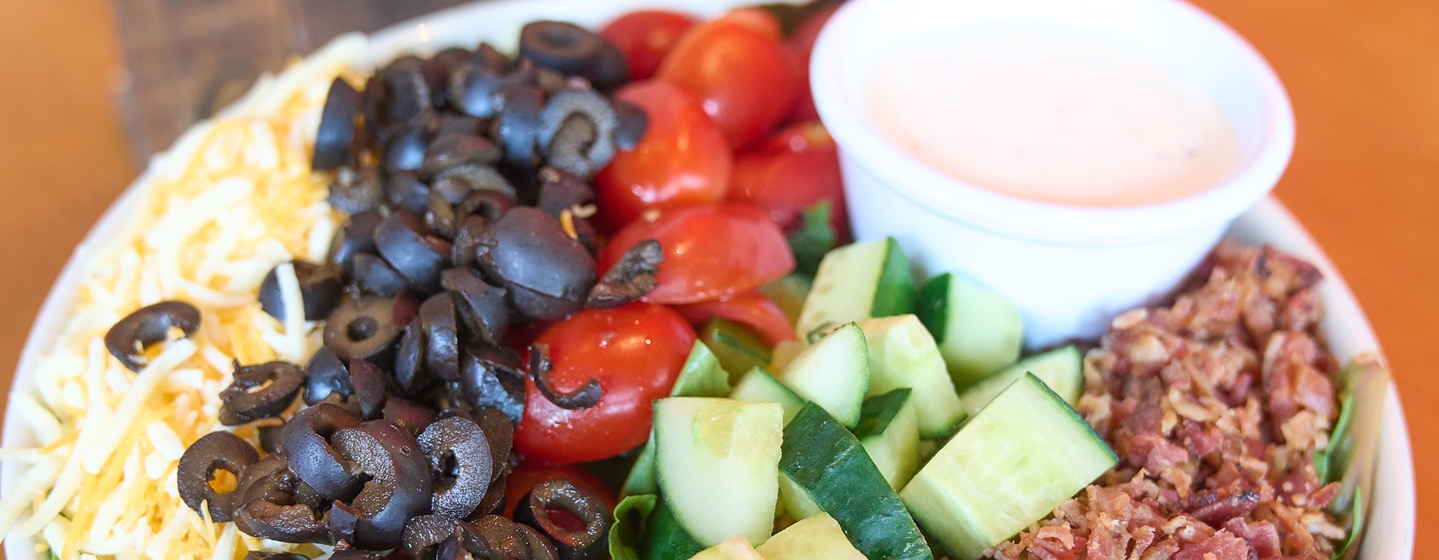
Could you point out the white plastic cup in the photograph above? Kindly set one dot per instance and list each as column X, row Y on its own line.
column 1069, row 270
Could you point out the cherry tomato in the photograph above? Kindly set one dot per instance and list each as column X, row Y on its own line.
column 751, row 308
column 740, row 72
column 801, row 46
column 791, row 171
column 634, row 351
column 645, row 37
column 681, row 161
column 711, row 252
column 530, row 474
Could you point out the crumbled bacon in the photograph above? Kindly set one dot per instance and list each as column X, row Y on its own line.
column 1215, row 406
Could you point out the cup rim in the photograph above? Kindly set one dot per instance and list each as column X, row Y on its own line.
column 844, row 115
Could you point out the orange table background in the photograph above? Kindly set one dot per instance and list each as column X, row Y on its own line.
column 1363, row 75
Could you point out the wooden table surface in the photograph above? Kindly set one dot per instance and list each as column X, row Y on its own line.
column 1364, row 78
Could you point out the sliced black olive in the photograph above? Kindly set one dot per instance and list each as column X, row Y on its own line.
column 548, row 273
column 307, row 442
column 363, row 329
column 487, row 384
column 325, row 375
column 407, row 90
column 357, row 554
column 370, row 390
column 577, row 130
column 610, row 69
column 630, row 278
column 451, row 123
column 337, row 126
column 459, row 182
column 631, row 124
column 271, row 480
column 458, row 149
column 474, row 88
column 320, row 290
column 405, row 190
column 269, row 437
column 467, row 239
column 355, row 237
column 372, row 101
column 401, row 240
column 410, row 374
column 489, row 204
column 440, row 216
column 137, row 332
column 216, row 451
column 563, row 47
column 355, row 190
column 442, row 336
column 292, row 523
column 588, row 543
column 373, row 276
column 423, row 535
column 500, row 434
column 257, row 555
column 397, row 484
column 481, row 306
column 494, row 500
column 585, row 396
column 465, row 544
column 513, row 540
column 260, row 391
column 561, row 191
column 460, row 458
column 405, row 148
column 518, row 125
column 452, row 58
column 409, row 415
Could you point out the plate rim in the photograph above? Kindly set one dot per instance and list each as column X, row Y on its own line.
column 1269, row 221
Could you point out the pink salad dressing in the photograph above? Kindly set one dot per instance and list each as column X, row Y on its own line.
column 1051, row 117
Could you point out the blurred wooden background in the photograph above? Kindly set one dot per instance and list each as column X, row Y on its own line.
column 1364, row 78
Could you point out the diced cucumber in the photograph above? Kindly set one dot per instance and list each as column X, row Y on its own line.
column 718, row 465
column 818, row 537
column 701, row 376
column 732, row 549
column 784, row 353
column 1062, row 369
column 979, row 331
column 788, row 292
column 833, row 373
column 902, row 354
column 795, row 500
column 889, row 431
column 668, row 540
column 737, row 347
column 857, row 281
column 828, row 462
column 758, row 385
column 1363, row 383
column 1006, row 468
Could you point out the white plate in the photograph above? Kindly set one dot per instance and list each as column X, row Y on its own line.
column 1391, row 527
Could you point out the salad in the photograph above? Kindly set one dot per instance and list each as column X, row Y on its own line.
column 593, row 299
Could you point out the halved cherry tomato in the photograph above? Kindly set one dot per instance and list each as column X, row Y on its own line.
column 682, row 160
column 740, row 72
column 634, row 351
column 751, row 308
column 791, row 171
column 801, row 46
column 711, row 252
column 645, row 37
column 530, row 474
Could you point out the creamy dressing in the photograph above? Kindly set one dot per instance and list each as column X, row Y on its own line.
column 1052, row 117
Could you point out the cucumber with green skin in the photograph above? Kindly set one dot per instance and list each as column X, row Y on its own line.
column 858, row 281
column 1062, row 369
column 978, row 330
column 701, row 376
column 717, row 462
column 889, row 431
column 826, row 460
column 736, row 346
column 833, row 372
column 902, row 354
column 757, row 385
column 1007, row 467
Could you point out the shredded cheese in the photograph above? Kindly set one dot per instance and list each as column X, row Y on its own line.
column 231, row 200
